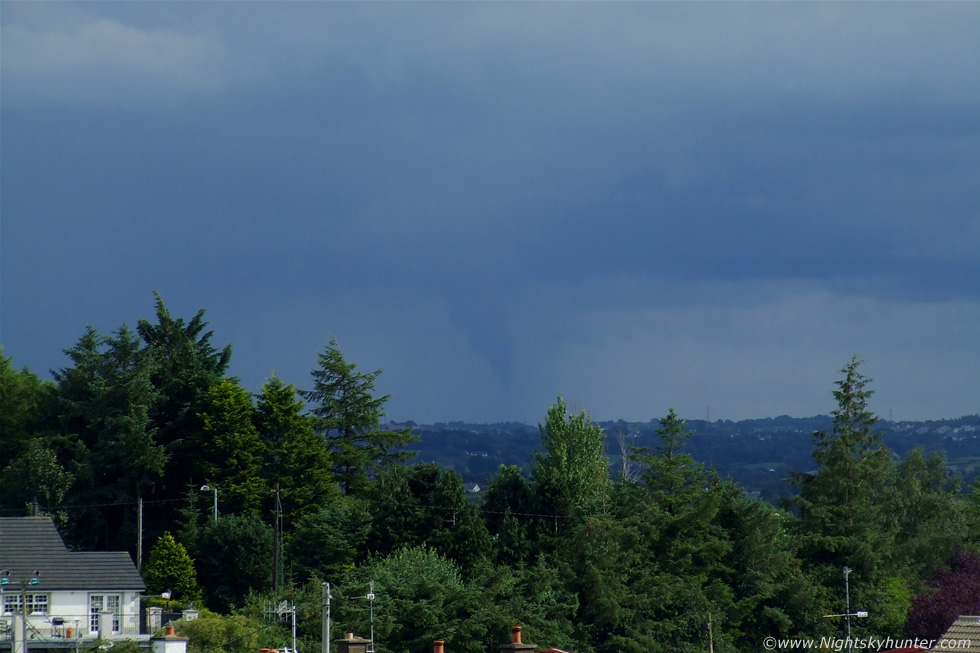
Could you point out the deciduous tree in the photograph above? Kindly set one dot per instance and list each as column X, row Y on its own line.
column 571, row 476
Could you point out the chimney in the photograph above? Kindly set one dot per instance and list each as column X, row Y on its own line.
column 169, row 642
column 437, row 646
column 351, row 643
column 515, row 642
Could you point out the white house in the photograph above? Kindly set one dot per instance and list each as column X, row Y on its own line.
column 69, row 596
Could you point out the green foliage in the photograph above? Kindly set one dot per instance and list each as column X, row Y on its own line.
column 931, row 516
column 35, row 477
column 505, row 507
column 308, row 599
column 571, row 477
column 424, row 504
column 101, row 645
column 685, row 501
column 349, row 416
column 170, row 567
column 296, row 456
column 184, row 366
column 847, row 515
column 21, row 400
column 230, row 452
column 234, row 557
column 213, row 633
column 639, row 565
column 105, row 400
column 326, row 544
column 649, row 570
column 842, row 499
column 419, row 596
column 534, row 596
column 673, row 477
column 771, row 596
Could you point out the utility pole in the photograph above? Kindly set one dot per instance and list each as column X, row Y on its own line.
column 24, row 584
column 139, row 537
column 370, row 596
column 325, row 630
column 275, row 546
column 711, row 640
column 847, row 606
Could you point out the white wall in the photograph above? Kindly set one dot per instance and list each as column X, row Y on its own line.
column 74, row 605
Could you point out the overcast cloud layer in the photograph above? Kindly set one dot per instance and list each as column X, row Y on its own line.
column 639, row 206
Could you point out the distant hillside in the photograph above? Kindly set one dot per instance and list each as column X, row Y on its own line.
column 757, row 453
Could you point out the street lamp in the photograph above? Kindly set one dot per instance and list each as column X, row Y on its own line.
column 208, row 488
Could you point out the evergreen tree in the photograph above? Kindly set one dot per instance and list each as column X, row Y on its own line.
column 426, row 505
column 328, row 543
column 844, row 516
column 506, row 507
column 771, row 596
column 650, row 572
column 234, row 558
column 533, row 595
column 104, row 401
column 295, row 455
column 687, row 496
column 420, row 596
column 349, row 417
column 169, row 567
column 230, row 451
column 22, row 398
column 185, row 366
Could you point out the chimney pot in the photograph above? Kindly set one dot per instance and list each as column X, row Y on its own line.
column 515, row 633
column 168, row 631
column 437, row 646
column 350, row 635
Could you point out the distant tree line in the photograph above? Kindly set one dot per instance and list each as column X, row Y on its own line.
column 662, row 554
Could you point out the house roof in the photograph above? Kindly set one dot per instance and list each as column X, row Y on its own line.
column 965, row 630
column 33, row 543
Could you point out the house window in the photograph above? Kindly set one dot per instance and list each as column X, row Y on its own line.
column 36, row 603
column 99, row 602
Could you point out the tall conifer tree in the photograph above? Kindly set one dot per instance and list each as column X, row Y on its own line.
column 349, row 417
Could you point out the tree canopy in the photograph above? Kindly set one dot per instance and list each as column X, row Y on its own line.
column 586, row 557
